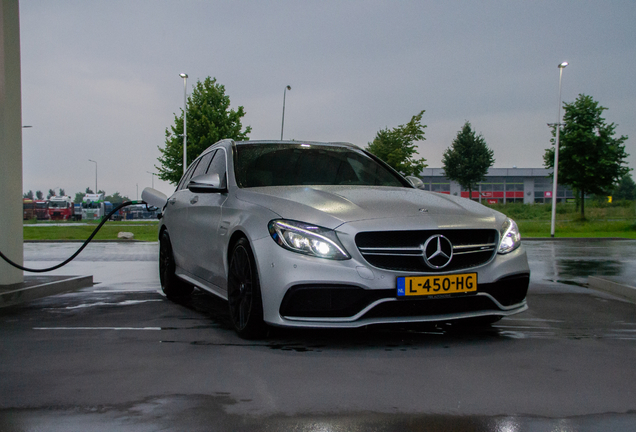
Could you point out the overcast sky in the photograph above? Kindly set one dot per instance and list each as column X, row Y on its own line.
column 100, row 79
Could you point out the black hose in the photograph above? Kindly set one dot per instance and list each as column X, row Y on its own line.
column 104, row 220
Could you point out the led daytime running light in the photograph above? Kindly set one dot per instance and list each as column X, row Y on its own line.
column 510, row 239
column 299, row 237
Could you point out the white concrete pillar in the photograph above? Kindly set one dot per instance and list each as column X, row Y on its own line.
column 10, row 143
column 455, row 188
column 528, row 190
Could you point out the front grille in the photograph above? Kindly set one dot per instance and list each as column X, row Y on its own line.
column 329, row 300
column 402, row 250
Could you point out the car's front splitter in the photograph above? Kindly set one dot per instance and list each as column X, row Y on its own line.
column 361, row 322
column 281, row 270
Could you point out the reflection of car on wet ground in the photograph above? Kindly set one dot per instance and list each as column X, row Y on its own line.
column 305, row 234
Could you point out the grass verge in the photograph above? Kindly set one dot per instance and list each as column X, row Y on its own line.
column 602, row 220
column 613, row 229
column 142, row 231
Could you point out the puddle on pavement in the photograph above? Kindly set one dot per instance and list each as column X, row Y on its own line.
column 577, row 260
column 568, row 282
column 222, row 411
column 410, row 338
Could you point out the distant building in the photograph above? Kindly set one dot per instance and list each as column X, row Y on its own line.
column 502, row 185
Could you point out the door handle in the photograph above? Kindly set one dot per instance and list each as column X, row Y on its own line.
column 194, row 200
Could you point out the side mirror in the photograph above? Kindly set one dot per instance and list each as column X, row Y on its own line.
column 207, row 183
column 415, row 181
column 154, row 198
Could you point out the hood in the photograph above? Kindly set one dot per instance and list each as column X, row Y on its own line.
column 330, row 206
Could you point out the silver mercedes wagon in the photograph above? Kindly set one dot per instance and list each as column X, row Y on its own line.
column 308, row 234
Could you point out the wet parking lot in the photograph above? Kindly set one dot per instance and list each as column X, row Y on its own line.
column 119, row 356
column 573, row 261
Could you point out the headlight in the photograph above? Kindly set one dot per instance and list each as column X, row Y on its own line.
column 510, row 237
column 307, row 239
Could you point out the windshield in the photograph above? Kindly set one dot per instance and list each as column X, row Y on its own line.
column 58, row 204
column 305, row 164
column 91, row 204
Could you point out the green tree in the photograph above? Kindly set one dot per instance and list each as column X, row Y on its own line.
column 62, row 192
column 116, row 198
column 50, row 194
column 28, row 195
column 626, row 189
column 209, row 119
column 467, row 160
column 591, row 159
column 79, row 196
column 396, row 146
column 39, row 195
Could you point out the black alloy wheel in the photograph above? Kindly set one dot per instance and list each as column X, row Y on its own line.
column 173, row 287
column 244, row 294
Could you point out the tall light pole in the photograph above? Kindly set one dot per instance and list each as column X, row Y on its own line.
column 283, row 124
column 556, row 155
column 153, row 178
column 95, row 174
column 185, row 108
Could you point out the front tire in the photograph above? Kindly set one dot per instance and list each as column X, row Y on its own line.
column 244, row 293
column 173, row 287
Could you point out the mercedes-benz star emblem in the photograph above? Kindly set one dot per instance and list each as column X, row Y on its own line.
column 437, row 251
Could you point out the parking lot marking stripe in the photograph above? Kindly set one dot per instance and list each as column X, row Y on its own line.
column 96, row 328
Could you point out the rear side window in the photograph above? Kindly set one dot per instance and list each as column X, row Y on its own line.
column 218, row 166
column 188, row 175
column 204, row 163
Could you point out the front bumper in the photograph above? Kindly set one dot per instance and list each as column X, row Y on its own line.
column 303, row 291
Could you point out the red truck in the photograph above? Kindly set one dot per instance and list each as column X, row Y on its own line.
column 35, row 209
column 60, row 208
column 28, row 206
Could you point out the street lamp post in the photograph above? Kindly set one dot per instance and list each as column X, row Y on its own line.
column 185, row 108
column 283, row 124
column 95, row 174
column 153, row 178
column 556, row 155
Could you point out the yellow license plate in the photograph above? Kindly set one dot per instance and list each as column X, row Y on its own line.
column 435, row 285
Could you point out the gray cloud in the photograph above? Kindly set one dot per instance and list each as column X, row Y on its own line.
column 100, row 79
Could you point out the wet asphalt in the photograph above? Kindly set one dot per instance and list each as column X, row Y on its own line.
column 120, row 356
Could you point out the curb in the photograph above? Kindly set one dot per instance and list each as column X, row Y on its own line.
column 618, row 289
column 35, row 287
column 92, row 241
column 573, row 238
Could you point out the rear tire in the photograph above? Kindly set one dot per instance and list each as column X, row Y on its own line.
column 244, row 293
column 173, row 287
